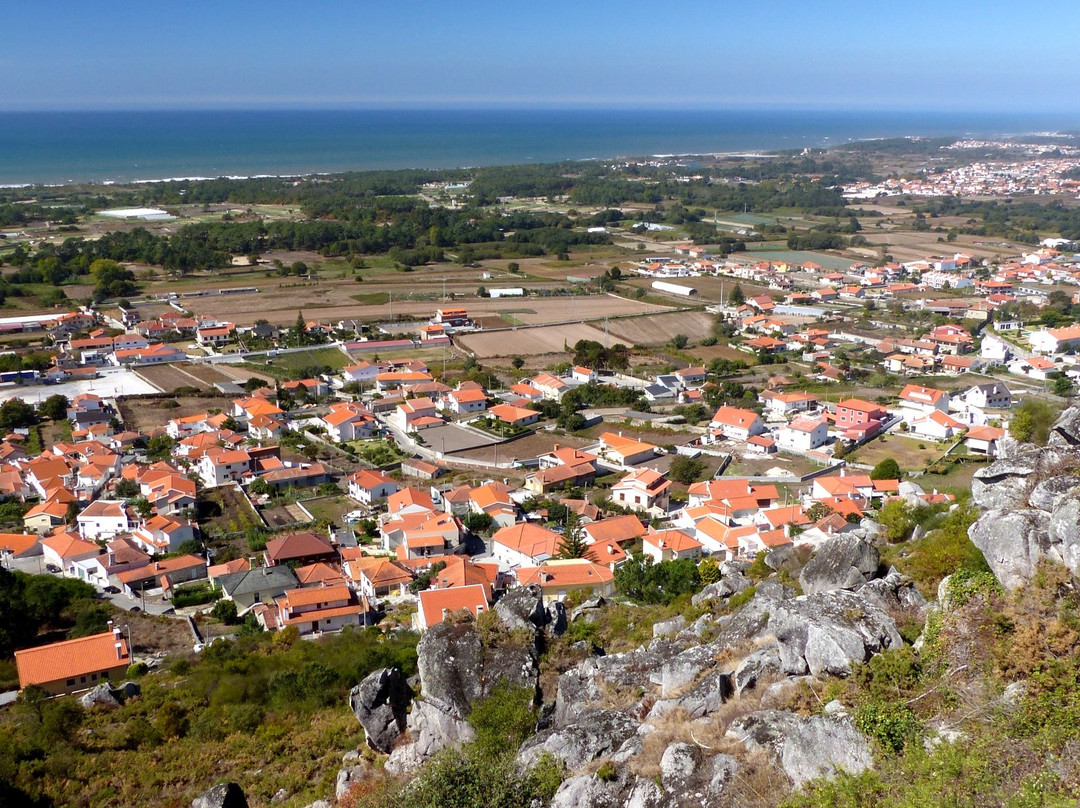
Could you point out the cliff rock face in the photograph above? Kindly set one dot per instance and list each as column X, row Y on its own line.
column 842, row 562
column 1032, row 504
column 223, row 795
column 380, row 703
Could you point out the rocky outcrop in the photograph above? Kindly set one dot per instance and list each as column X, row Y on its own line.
column 804, row 747
column 828, row 632
column 842, row 562
column 1013, row 542
column 754, row 667
column 594, row 735
column 730, row 584
column 100, row 696
column 380, row 704
column 223, row 795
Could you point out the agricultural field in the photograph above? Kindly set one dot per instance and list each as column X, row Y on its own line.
column 528, row 341
column 169, row 377
column 798, row 257
column 296, row 361
column 530, row 446
column 657, row 329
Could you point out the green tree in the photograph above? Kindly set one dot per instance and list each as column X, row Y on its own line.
column 887, row 469
column 1032, row 421
column 573, row 544
column 1063, row 386
column 737, row 296
column 517, row 363
column 54, row 407
column 708, row 571
column 679, row 341
column 897, row 519
column 159, row 447
column 643, row 581
column 225, row 611
column 685, row 469
column 16, row 413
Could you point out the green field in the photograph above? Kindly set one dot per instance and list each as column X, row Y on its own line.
column 798, row 257
column 293, row 362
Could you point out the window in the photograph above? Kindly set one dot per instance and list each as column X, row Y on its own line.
column 70, row 683
column 82, row 680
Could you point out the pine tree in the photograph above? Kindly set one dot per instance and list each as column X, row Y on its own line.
column 573, row 543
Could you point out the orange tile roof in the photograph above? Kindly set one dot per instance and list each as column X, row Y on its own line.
column 459, row 597
column 71, row 659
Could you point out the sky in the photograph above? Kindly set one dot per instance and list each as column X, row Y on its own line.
column 716, row 54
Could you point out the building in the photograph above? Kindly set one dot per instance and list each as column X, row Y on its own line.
column 248, row 587
column 320, row 608
column 642, row 490
column 917, row 400
column 1055, row 340
column 301, row 548
column 104, row 519
column 433, row 605
column 558, row 578
column 370, row 486
column 993, row 396
column 803, row 434
column 74, row 665
column 669, row 545
column 737, row 424
column 524, row 544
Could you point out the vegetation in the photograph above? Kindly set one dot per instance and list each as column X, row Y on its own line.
column 643, row 581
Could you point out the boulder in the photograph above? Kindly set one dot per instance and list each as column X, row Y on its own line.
column 722, row 772
column 894, row 591
column 590, row 605
column 319, row 804
column 678, row 764
column 522, row 607
column 775, row 559
column 380, row 703
column 557, row 620
column 100, row 696
column 586, row 684
column 1066, row 430
column 127, row 690
column 585, row 791
column 596, row 734
column 1013, row 542
column 668, row 627
column 280, row 796
column 223, row 795
column 827, row 633
column 805, row 747
column 842, row 562
column 751, row 669
column 348, row 777
column 432, row 730
column 1005, row 482
column 702, row 699
column 1063, row 531
column 1047, row 493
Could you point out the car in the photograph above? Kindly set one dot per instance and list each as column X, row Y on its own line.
column 52, row 568
column 112, row 590
column 134, row 609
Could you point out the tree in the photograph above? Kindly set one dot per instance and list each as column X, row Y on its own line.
column 1063, row 386
column 127, row 489
column 513, row 267
column 897, row 519
column 517, row 362
column 159, row 447
column 16, row 413
column 737, row 296
column 887, row 469
column 685, row 469
column 573, row 544
column 1032, row 422
column 642, row 581
column 225, row 611
column 679, row 341
column 54, row 407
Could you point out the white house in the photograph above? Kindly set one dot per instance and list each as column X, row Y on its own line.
column 737, row 424
column 803, row 434
column 104, row 519
column 1055, row 340
column 669, row 545
column 993, row 396
column 917, row 400
column 370, row 486
column 642, row 490
column 219, row 466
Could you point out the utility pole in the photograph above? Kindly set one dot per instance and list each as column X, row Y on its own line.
column 391, row 307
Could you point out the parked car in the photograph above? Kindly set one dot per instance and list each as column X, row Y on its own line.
column 52, row 568
column 112, row 590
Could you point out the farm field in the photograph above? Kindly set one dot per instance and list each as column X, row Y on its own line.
column 707, row 353
column 169, row 377
column 530, row 446
column 657, row 329
column 148, row 414
column 903, row 450
column 797, row 257
column 298, row 360
column 528, row 341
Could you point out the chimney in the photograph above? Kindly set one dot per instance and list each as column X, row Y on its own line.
column 555, row 447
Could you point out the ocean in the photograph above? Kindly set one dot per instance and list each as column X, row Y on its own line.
column 69, row 147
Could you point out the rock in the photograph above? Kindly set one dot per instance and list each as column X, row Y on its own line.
column 127, row 690
column 805, row 747
column 723, row 772
column 593, row 679
column 1013, row 542
column 350, row 758
column 646, row 794
column 1005, row 482
column 894, row 591
column 432, row 730
column 1014, row 693
column 911, row 493
column 917, row 532
column 100, row 696
column 522, row 607
column 1047, row 493
column 842, row 562
column 557, row 621
column 223, row 795
column 778, row 694
column 380, row 704
column 590, row 605
column 1066, row 430
column 347, row 778
column 704, row 698
column 319, row 804
column 678, row 764
column 1064, row 530
column 596, row 734
column 751, row 669
column 279, row 797
column 775, row 559
column 835, row 708
column 668, row 627
column 732, row 584
column 584, row 791
column 828, row 632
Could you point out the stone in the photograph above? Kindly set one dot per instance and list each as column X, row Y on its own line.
column 596, row 734
column 775, row 559
column 522, row 607
column 380, row 703
column 557, row 620
column 223, row 795
column 100, row 696
column 1005, row 482
column 348, row 777
column 704, row 698
column 668, row 627
column 584, row 791
column 804, row 747
column 829, row 632
column 1066, row 430
column 835, row 708
column 1047, row 493
column 319, row 804
column 732, row 584
column 127, row 690
column 678, row 764
column 279, row 797
column 1013, row 542
column 723, row 769
column 756, row 665
column 842, row 562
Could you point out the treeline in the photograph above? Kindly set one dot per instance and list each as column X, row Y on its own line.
column 1022, row 221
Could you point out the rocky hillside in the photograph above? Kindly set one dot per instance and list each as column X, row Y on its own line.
column 830, row 682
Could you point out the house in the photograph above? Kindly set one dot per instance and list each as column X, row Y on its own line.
column 559, row 578
column 936, row 425
column 320, row 608
column 347, row 421
column 693, row 376
column 917, row 400
column 452, row 317
column 670, row 545
column 301, row 548
column 737, row 424
column 462, row 402
column 864, row 416
column 378, row 577
column 361, row 373
column 515, row 416
column 523, row 545
column 984, row 440
column 550, row 387
column 104, row 519
column 370, row 486
column 121, row 554
column 560, row 468
column 166, row 574
column 583, row 375
column 416, row 413
column 248, row 587
column 215, row 335
column 64, row 549
column 621, row 530
column 163, row 534
column 74, row 665
column 642, row 490
column 219, row 466
column 623, row 450
column 804, row 434
column 993, row 396
column 434, row 605
column 316, row 388
column 781, row 405
column 421, row 469
column 1055, row 340
column 420, row 534
column 18, row 545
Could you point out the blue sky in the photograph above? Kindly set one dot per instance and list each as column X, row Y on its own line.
column 948, row 55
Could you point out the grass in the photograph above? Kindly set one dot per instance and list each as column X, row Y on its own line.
column 905, row 451
column 295, row 362
column 330, row 509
